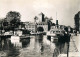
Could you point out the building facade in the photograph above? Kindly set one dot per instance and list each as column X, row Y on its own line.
column 44, row 25
column 30, row 26
column 77, row 21
column 40, row 21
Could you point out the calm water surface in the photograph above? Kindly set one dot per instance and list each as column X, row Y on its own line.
column 34, row 46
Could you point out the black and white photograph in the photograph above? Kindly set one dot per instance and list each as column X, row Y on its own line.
column 39, row 28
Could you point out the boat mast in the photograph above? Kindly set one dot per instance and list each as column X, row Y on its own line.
column 56, row 15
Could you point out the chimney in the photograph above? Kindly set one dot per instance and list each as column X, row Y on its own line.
column 56, row 22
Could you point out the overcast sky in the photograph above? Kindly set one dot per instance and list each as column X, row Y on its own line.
column 66, row 9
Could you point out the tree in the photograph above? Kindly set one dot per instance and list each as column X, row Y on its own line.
column 13, row 18
column 40, row 29
column 13, row 15
column 35, row 18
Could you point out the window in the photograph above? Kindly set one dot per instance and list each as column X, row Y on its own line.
column 53, row 31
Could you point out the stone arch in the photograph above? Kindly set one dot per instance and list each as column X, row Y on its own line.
column 40, row 29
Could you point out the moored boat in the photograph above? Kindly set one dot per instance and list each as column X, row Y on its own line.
column 38, row 33
column 59, row 34
column 56, row 33
column 5, row 36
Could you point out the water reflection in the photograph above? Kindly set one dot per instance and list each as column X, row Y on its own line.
column 25, row 42
column 60, row 47
column 34, row 46
column 3, row 44
column 12, row 51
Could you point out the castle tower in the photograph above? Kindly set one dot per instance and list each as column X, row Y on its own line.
column 42, row 17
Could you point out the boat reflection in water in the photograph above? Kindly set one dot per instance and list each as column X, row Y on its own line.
column 34, row 46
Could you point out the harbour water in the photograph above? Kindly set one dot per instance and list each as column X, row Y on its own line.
column 33, row 46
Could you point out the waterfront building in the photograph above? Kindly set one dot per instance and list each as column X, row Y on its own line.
column 44, row 25
column 44, row 22
column 18, row 32
column 39, row 21
column 77, row 21
column 42, row 17
column 30, row 26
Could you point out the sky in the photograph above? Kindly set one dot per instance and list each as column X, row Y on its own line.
column 62, row 10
